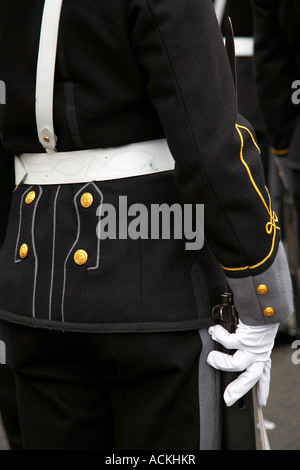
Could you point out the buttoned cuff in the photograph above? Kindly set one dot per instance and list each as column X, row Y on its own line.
column 267, row 297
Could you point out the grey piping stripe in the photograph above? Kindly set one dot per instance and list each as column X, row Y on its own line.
column 209, row 397
column 53, row 251
column 20, row 223
column 92, row 268
column 34, row 251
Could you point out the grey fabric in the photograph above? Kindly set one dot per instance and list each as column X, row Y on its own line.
column 209, row 398
column 279, row 296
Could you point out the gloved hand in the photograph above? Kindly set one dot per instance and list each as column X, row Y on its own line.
column 253, row 345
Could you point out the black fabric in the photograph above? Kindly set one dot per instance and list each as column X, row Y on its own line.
column 277, row 36
column 106, row 392
column 128, row 71
column 9, row 408
column 6, row 189
column 247, row 94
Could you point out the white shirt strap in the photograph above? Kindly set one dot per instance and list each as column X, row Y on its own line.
column 45, row 74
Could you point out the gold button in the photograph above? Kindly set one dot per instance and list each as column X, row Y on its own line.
column 46, row 138
column 80, row 257
column 30, row 197
column 23, row 251
column 262, row 289
column 86, row 200
column 269, row 311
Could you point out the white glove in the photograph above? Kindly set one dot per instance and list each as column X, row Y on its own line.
column 253, row 345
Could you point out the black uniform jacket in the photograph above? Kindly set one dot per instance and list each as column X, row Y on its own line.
column 130, row 71
column 277, row 58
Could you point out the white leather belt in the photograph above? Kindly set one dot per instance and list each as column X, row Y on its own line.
column 94, row 165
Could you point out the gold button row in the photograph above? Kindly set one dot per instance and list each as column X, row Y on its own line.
column 86, row 199
column 80, row 256
column 261, row 290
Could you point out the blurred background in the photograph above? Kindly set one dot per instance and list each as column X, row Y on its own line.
column 283, row 407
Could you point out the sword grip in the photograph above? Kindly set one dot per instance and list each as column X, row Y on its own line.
column 238, row 428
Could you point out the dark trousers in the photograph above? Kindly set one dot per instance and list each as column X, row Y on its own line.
column 8, row 408
column 132, row 391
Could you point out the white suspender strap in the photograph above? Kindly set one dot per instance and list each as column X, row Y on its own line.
column 45, row 74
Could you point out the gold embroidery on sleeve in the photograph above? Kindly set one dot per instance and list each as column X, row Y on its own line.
column 271, row 226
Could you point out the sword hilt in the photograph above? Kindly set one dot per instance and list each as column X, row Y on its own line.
column 225, row 312
column 238, row 429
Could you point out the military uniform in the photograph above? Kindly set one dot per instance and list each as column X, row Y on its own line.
column 129, row 72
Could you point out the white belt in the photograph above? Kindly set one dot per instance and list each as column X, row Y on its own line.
column 94, row 165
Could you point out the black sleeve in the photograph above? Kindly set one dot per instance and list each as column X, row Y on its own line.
column 180, row 47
